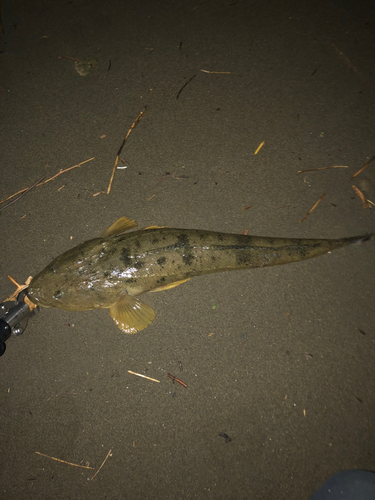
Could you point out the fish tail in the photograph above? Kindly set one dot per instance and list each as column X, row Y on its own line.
column 352, row 240
column 360, row 239
column 278, row 251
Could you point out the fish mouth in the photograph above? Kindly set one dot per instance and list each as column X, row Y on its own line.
column 33, row 298
column 38, row 301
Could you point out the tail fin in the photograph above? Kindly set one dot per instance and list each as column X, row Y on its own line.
column 360, row 239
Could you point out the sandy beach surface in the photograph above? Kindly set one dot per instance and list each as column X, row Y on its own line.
column 279, row 361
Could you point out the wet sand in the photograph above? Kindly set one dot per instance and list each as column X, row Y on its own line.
column 273, row 358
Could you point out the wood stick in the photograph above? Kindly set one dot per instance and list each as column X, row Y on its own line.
column 259, row 147
column 64, row 462
column 217, row 72
column 363, row 168
column 25, row 191
column 321, row 168
column 144, row 376
column 313, row 208
column 104, row 461
column 359, row 193
column 50, row 179
column 138, row 119
column 182, row 88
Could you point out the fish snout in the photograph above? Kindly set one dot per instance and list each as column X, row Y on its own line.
column 33, row 296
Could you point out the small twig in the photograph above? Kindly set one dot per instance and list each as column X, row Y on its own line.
column 217, row 72
column 109, row 454
column 62, row 171
column 64, row 462
column 22, row 194
column 50, row 179
column 144, row 376
column 138, row 119
column 321, row 168
column 67, row 57
column 182, row 88
column 343, row 56
column 174, row 379
column 363, row 168
column 259, row 147
column 313, row 208
column 359, row 193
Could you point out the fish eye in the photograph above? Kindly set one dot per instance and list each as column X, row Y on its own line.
column 58, row 295
column 53, row 269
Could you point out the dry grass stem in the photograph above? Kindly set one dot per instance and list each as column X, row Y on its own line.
column 259, row 147
column 184, row 85
column 138, row 119
column 346, row 59
column 67, row 57
column 321, row 168
column 104, row 461
column 359, row 193
column 144, row 376
column 216, row 72
column 48, row 180
column 313, row 208
column 23, row 192
column 64, row 462
column 62, row 171
column 364, row 167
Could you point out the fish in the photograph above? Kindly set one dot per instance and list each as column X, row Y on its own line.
column 111, row 271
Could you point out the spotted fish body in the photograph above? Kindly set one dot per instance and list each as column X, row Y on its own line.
column 111, row 271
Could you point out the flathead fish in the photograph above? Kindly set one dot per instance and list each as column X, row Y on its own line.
column 110, row 272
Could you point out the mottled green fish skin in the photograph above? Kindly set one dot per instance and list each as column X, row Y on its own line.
column 95, row 273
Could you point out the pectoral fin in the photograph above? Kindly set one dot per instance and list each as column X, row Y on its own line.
column 120, row 226
column 131, row 315
column 171, row 285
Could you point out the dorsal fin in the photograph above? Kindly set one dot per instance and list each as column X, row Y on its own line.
column 120, row 226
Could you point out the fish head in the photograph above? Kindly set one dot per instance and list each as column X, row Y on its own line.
column 50, row 288
column 74, row 281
